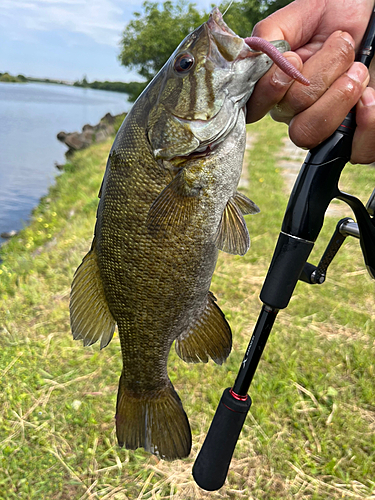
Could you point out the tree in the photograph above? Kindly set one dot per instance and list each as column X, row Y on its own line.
column 85, row 83
column 273, row 5
column 150, row 38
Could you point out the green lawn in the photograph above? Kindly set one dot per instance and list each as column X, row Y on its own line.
column 311, row 430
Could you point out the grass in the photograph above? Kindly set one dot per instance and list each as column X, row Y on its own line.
column 311, row 430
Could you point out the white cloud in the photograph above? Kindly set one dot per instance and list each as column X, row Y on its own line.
column 101, row 20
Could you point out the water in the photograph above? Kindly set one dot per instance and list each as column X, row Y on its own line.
column 31, row 115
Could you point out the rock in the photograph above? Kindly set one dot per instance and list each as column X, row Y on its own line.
column 88, row 128
column 101, row 136
column 77, row 141
column 61, row 136
column 109, row 118
column 90, row 134
column 8, row 234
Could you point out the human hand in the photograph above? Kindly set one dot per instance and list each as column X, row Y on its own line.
column 322, row 36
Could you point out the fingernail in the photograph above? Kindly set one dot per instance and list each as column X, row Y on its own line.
column 368, row 97
column 348, row 38
column 280, row 77
column 357, row 72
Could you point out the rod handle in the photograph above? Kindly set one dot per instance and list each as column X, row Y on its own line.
column 211, row 466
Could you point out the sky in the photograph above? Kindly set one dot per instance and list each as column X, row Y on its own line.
column 66, row 39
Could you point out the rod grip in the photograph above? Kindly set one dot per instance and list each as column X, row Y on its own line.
column 286, row 266
column 211, row 466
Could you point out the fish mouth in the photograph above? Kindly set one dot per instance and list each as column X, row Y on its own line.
column 216, row 23
column 228, row 43
column 238, row 48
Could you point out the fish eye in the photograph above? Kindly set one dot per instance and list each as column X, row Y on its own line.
column 183, row 63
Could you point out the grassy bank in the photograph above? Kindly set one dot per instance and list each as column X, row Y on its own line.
column 311, row 430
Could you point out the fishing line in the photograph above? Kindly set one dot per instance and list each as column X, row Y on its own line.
column 229, row 6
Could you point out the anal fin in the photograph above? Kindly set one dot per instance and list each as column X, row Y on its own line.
column 90, row 317
column 209, row 337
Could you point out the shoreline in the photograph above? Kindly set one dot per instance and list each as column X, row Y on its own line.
column 132, row 89
column 75, row 141
column 60, row 207
column 91, row 134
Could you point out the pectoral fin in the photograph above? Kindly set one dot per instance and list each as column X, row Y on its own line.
column 232, row 235
column 246, row 205
column 90, row 317
column 173, row 207
column 210, row 336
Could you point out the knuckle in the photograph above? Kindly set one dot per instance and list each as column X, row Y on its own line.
column 346, row 51
column 340, row 48
column 300, row 97
column 349, row 91
column 304, row 134
column 279, row 113
column 260, row 27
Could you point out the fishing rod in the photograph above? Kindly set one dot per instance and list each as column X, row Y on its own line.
column 315, row 187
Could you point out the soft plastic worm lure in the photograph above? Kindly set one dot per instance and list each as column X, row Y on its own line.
column 258, row 44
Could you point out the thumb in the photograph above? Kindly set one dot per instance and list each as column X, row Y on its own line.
column 296, row 23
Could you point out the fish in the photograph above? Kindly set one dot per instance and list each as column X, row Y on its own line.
column 168, row 203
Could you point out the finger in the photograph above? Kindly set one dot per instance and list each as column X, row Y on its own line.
column 312, row 21
column 296, row 23
column 363, row 150
column 319, row 121
column 322, row 69
column 372, row 73
column 271, row 89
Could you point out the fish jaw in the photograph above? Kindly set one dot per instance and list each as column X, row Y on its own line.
column 196, row 109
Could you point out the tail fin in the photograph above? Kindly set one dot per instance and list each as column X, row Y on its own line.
column 155, row 421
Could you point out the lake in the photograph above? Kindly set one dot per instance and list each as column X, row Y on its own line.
column 31, row 115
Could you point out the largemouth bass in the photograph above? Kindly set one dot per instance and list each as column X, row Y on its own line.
column 168, row 204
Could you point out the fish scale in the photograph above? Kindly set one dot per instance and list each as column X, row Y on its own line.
column 168, row 204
